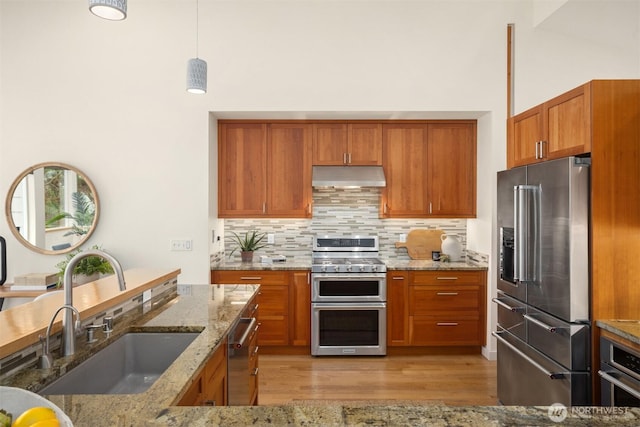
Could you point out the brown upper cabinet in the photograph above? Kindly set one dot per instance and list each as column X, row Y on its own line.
column 351, row 144
column 558, row 128
column 430, row 170
column 264, row 170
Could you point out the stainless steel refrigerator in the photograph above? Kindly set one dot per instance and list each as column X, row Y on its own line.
column 543, row 331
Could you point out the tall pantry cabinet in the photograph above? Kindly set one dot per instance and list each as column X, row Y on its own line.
column 601, row 117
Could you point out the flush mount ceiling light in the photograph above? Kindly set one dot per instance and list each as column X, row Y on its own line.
column 197, row 68
column 113, row 10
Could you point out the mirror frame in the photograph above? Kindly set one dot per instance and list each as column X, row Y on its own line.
column 12, row 224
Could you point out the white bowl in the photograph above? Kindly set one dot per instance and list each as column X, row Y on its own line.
column 16, row 401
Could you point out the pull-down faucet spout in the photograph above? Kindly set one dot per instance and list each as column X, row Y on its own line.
column 68, row 333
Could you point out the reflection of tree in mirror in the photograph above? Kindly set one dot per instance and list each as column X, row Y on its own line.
column 55, row 195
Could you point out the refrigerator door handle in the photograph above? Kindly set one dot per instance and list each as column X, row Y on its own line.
column 551, row 375
column 525, row 231
column 508, row 307
column 540, row 323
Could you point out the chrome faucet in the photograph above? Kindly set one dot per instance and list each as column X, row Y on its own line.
column 68, row 343
column 46, row 360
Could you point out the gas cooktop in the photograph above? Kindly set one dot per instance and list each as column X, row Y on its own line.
column 349, row 254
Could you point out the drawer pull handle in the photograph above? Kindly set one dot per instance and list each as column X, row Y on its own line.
column 440, row 294
column 255, row 350
column 540, row 323
column 446, row 278
column 398, row 278
column 209, row 403
column 250, row 278
column 447, row 323
column 508, row 307
column 255, row 372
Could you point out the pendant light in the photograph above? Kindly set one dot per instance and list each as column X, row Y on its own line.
column 113, row 10
column 196, row 67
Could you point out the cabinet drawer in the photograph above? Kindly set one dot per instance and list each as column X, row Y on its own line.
column 426, row 330
column 446, row 277
column 250, row 277
column 425, row 299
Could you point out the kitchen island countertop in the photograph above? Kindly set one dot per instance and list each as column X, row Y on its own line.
column 215, row 307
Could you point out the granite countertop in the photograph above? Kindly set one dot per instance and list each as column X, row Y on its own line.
column 213, row 309
column 391, row 265
column 420, row 264
column 627, row 329
column 257, row 265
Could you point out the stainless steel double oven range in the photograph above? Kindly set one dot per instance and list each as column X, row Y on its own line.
column 348, row 297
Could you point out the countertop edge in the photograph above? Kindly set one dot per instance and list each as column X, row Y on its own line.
column 626, row 329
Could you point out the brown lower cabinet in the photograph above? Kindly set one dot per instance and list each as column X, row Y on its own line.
column 436, row 308
column 209, row 387
column 284, row 306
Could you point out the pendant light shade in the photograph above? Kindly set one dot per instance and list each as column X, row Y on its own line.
column 197, row 76
column 113, row 10
column 196, row 67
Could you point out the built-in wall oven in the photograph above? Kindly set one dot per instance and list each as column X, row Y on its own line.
column 619, row 374
column 349, row 297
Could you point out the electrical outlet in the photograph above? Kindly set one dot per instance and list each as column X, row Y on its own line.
column 181, row 245
column 271, row 238
column 402, row 238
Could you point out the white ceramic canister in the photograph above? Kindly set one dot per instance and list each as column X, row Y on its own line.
column 451, row 246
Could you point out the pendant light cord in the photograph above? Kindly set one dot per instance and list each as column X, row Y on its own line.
column 197, row 26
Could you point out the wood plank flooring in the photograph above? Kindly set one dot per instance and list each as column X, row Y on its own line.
column 465, row 380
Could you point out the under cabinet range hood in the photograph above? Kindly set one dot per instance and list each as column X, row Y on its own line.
column 348, row 176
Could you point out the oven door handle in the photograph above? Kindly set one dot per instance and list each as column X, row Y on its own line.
column 552, row 375
column 616, row 382
column 349, row 305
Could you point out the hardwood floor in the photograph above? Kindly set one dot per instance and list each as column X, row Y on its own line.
column 466, row 380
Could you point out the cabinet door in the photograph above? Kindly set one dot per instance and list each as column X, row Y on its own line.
column 241, row 170
column 301, row 312
column 525, row 133
column 289, row 170
column 397, row 308
column 215, row 374
column 568, row 124
column 273, row 310
column 330, row 144
column 451, row 170
column 194, row 396
column 365, row 144
column 404, row 149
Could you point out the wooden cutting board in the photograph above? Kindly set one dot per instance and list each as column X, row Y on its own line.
column 421, row 242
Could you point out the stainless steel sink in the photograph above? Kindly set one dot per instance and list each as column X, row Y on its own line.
column 129, row 365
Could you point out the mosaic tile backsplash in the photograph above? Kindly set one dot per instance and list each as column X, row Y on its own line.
column 341, row 212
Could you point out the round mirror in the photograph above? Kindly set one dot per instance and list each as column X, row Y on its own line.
column 52, row 208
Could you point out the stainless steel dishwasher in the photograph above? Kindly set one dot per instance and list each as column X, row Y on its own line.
column 242, row 362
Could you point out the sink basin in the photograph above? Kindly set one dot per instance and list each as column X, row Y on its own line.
column 129, row 365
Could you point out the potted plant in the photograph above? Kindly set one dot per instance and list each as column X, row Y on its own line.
column 250, row 242
column 87, row 270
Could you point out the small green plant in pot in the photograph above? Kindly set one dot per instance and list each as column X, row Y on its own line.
column 87, row 269
column 250, row 242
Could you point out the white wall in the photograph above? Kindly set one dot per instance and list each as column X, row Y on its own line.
column 109, row 97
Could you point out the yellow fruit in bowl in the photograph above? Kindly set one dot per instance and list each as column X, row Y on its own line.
column 36, row 416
